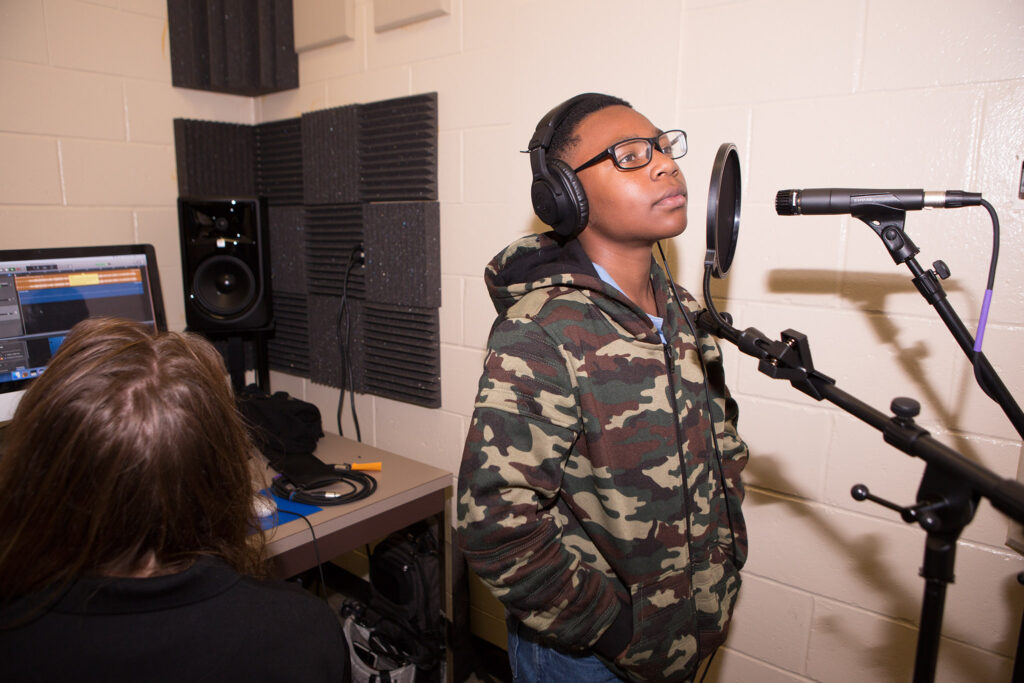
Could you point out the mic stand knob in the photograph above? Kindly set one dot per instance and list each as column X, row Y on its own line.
column 905, row 408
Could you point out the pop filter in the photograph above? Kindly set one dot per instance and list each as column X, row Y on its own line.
column 723, row 210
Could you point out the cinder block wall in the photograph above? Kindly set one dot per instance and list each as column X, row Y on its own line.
column 910, row 93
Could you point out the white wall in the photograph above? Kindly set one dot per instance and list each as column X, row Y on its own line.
column 872, row 93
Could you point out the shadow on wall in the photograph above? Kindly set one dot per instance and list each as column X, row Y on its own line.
column 868, row 293
column 863, row 551
column 894, row 638
column 897, row 640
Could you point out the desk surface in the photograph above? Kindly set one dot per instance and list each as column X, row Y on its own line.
column 407, row 491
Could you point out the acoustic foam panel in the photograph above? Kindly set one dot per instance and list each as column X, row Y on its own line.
column 403, row 253
column 394, row 351
column 384, row 152
column 279, row 162
column 330, row 159
column 215, row 159
column 332, row 235
column 287, row 248
column 288, row 347
column 288, row 344
column 329, row 337
column 242, row 47
column 399, row 355
column 398, row 149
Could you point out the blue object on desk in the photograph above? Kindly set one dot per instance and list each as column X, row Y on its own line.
column 284, row 507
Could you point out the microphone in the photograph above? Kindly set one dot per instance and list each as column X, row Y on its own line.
column 833, row 200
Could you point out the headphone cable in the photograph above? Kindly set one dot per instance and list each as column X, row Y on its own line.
column 707, row 396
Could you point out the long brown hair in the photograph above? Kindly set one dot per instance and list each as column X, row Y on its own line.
column 127, row 452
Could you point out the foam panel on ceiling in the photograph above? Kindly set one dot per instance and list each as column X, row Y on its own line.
column 403, row 253
column 279, row 162
column 288, row 345
column 329, row 338
column 330, row 162
column 398, row 149
column 243, row 47
column 215, row 159
column 332, row 234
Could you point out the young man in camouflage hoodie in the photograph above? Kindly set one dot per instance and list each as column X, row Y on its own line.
column 599, row 494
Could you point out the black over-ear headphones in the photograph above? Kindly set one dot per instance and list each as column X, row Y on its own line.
column 558, row 196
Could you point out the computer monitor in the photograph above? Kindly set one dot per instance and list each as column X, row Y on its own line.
column 44, row 292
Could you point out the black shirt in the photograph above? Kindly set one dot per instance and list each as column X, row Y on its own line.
column 207, row 623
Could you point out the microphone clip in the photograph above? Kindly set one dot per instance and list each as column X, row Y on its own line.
column 888, row 224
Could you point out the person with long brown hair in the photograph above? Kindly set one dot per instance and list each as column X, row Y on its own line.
column 127, row 542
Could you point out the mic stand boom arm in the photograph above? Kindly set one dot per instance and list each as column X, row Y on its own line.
column 790, row 359
column 950, row 488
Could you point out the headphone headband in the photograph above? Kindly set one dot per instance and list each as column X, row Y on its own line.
column 550, row 122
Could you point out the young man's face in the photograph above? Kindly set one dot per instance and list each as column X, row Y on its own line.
column 641, row 205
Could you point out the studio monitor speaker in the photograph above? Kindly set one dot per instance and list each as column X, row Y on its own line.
column 225, row 264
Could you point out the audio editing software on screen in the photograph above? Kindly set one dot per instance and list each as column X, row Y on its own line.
column 41, row 301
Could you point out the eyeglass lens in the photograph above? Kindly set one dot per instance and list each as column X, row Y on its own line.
column 637, row 153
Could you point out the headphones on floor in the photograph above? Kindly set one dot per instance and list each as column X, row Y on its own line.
column 557, row 194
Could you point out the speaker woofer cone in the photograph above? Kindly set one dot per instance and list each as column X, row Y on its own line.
column 224, row 285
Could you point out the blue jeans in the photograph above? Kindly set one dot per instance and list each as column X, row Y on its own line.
column 535, row 663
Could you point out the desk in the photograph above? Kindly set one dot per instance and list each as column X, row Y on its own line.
column 407, row 492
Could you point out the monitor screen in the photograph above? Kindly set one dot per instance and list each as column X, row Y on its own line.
column 44, row 292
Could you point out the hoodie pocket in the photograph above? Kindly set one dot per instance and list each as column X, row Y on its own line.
column 716, row 583
column 665, row 640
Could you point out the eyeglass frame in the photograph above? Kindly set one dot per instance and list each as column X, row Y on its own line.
column 651, row 143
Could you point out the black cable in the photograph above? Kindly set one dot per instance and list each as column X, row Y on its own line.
column 983, row 317
column 316, row 548
column 711, row 415
column 995, row 244
column 991, row 284
column 344, row 343
column 707, row 396
column 361, row 485
column 707, row 667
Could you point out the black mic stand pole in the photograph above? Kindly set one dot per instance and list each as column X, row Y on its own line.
column 888, row 224
column 950, row 488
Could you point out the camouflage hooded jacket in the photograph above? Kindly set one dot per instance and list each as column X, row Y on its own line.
column 590, row 497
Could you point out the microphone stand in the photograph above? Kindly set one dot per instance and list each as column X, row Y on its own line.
column 950, row 488
column 888, row 225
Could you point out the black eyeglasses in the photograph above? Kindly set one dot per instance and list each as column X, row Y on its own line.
column 637, row 152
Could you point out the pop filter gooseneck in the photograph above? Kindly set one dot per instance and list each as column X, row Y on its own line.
column 723, row 230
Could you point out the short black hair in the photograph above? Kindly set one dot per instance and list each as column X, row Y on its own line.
column 564, row 136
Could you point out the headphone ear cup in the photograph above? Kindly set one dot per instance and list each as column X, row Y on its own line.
column 545, row 199
column 573, row 206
